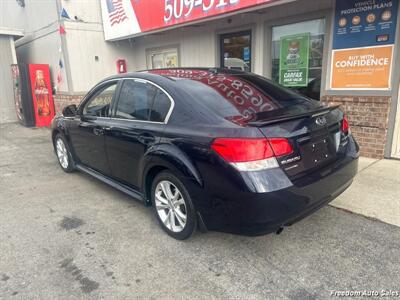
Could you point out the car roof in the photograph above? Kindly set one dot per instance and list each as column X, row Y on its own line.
column 224, row 93
column 174, row 73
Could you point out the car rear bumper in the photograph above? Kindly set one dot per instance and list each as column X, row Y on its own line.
column 260, row 213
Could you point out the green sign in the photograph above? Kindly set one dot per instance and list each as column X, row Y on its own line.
column 293, row 63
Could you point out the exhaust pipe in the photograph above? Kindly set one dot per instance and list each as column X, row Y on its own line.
column 279, row 231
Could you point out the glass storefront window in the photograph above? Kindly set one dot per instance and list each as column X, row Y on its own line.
column 236, row 50
column 315, row 29
column 162, row 58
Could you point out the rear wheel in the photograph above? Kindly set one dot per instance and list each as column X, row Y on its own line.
column 63, row 154
column 173, row 206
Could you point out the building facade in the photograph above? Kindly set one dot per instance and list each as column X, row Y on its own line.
column 341, row 52
column 7, row 58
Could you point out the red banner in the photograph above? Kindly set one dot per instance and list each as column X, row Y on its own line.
column 127, row 18
column 157, row 14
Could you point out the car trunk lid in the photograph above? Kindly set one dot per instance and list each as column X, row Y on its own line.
column 315, row 136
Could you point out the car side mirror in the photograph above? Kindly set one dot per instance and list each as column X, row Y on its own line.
column 70, row 111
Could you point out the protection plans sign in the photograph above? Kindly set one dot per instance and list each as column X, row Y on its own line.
column 363, row 44
column 293, row 62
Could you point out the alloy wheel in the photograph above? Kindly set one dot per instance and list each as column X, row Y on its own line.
column 62, row 153
column 170, row 206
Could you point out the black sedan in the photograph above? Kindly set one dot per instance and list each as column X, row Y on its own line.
column 210, row 148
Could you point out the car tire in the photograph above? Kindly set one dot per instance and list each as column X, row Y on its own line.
column 173, row 206
column 63, row 153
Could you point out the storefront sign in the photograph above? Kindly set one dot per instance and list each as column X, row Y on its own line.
column 363, row 39
column 362, row 68
column 123, row 18
column 364, row 23
column 293, row 63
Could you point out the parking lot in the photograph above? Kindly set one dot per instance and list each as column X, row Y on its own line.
column 68, row 236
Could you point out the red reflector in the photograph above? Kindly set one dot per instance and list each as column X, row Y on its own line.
column 244, row 150
column 345, row 125
column 280, row 146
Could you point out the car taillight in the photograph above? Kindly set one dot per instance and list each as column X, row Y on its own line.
column 252, row 154
column 345, row 125
column 280, row 146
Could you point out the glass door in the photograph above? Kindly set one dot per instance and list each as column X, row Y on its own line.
column 236, row 50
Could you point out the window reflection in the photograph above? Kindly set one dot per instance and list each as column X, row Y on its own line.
column 234, row 98
column 100, row 103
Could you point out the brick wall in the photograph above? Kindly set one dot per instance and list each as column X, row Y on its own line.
column 368, row 118
column 62, row 100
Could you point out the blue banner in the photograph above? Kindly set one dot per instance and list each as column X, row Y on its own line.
column 364, row 23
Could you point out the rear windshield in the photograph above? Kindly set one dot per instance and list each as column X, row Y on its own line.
column 241, row 97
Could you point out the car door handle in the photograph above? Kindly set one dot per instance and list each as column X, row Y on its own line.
column 98, row 131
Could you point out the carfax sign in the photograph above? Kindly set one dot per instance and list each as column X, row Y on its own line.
column 293, row 62
column 363, row 39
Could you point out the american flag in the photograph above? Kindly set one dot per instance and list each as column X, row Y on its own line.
column 116, row 12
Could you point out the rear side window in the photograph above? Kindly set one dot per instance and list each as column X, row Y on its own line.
column 161, row 106
column 142, row 101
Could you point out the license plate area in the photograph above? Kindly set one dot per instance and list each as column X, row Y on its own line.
column 318, row 151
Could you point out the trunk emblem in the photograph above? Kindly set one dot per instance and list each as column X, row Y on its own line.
column 320, row 121
column 290, row 160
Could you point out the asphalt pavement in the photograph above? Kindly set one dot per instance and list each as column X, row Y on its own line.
column 69, row 236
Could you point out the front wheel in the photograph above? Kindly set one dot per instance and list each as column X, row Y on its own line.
column 173, row 206
column 63, row 154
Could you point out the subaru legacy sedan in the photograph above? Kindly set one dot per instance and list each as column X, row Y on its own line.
column 212, row 149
